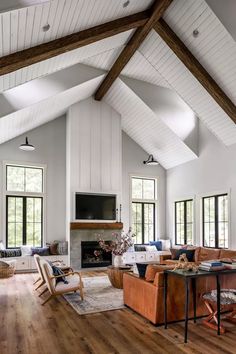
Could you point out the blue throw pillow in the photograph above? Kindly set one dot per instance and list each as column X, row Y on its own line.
column 158, row 244
column 142, row 269
column 189, row 254
column 41, row 251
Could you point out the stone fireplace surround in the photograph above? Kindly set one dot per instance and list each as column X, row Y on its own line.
column 78, row 235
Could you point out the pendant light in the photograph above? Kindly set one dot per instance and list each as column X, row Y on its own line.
column 26, row 146
column 151, row 161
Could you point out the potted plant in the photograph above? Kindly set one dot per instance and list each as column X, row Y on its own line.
column 121, row 243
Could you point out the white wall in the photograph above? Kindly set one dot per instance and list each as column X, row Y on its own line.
column 214, row 171
column 93, row 150
column 132, row 164
column 50, row 143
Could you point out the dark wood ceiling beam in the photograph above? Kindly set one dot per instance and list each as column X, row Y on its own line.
column 133, row 44
column 18, row 60
column 193, row 65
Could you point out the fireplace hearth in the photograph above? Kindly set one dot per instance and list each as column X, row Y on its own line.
column 93, row 256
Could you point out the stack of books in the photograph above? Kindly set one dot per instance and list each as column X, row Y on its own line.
column 230, row 265
column 211, row 266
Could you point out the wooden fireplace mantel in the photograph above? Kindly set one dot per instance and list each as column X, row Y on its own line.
column 96, row 225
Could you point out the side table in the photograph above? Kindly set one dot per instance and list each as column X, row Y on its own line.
column 193, row 276
column 115, row 275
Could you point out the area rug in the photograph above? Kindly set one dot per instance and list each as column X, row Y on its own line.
column 99, row 296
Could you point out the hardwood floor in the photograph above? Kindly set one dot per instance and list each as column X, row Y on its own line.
column 29, row 328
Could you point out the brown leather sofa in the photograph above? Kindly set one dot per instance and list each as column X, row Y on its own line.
column 145, row 295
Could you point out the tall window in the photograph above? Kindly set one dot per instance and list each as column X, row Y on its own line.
column 184, row 222
column 24, row 206
column 143, row 209
column 215, row 221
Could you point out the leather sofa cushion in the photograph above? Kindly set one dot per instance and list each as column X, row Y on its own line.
column 204, row 254
column 227, row 254
column 152, row 269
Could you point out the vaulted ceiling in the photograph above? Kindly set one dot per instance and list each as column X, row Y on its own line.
column 22, row 26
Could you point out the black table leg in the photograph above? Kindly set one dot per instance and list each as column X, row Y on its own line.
column 218, row 302
column 186, row 310
column 194, row 299
column 165, row 299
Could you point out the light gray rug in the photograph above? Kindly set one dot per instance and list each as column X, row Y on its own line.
column 99, row 296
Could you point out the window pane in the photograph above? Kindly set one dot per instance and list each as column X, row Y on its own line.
column 149, row 211
column 34, row 180
column 34, row 217
column 223, row 208
column 137, row 188
column 137, row 221
column 24, row 179
column 15, row 179
column 148, row 189
column 189, row 234
column 14, row 221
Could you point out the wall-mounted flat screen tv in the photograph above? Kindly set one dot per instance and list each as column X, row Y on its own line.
column 95, row 206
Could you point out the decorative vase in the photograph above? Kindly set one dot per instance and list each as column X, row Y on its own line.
column 117, row 261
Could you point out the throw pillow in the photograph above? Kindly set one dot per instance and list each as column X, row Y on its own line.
column 152, row 269
column 157, row 244
column 141, row 269
column 173, row 252
column 189, row 254
column 149, row 248
column 10, row 253
column 62, row 247
column 166, row 245
column 139, row 248
column 53, row 248
column 26, row 251
column 41, row 251
column 2, row 248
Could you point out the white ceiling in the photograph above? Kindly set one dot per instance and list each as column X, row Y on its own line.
column 153, row 63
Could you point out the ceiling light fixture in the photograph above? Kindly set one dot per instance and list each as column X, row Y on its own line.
column 195, row 33
column 46, row 27
column 126, row 3
column 151, row 161
column 26, row 146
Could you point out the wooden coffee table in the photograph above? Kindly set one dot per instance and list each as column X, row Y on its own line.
column 115, row 275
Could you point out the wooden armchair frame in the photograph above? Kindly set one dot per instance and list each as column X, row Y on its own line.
column 51, row 285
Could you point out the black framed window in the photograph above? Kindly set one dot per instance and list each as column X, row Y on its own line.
column 24, row 221
column 184, row 222
column 143, row 209
column 215, row 221
column 24, row 206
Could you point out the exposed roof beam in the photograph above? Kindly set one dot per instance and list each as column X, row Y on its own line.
column 193, row 65
column 18, row 60
column 135, row 41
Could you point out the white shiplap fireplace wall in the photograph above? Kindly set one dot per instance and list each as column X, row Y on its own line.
column 93, row 151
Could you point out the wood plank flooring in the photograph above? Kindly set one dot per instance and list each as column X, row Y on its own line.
column 26, row 327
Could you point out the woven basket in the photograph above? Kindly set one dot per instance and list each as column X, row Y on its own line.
column 6, row 270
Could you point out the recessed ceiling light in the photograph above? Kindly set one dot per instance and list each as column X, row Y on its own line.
column 46, row 28
column 195, row 33
column 126, row 3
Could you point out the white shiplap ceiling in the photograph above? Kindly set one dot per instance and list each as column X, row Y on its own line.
column 46, row 110
column 153, row 62
column 146, row 128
